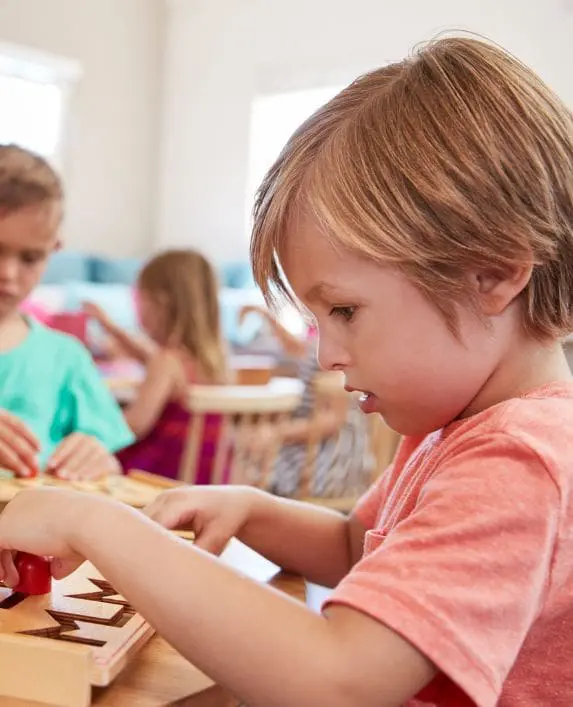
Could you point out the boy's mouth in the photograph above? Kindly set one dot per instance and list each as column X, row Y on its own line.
column 368, row 401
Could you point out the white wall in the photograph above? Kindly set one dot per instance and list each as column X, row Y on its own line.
column 220, row 53
column 112, row 151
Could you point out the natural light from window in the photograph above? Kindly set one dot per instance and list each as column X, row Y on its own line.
column 274, row 118
column 34, row 90
column 31, row 115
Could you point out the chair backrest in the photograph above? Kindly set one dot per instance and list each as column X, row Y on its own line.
column 381, row 444
column 243, row 410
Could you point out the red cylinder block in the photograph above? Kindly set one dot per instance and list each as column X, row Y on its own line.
column 34, row 573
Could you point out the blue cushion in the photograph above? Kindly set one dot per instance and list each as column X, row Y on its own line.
column 66, row 266
column 121, row 271
column 116, row 300
column 236, row 274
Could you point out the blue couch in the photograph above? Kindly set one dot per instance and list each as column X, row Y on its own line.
column 74, row 277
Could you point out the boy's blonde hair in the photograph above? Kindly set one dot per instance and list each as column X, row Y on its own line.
column 457, row 158
column 26, row 179
column 183, row 282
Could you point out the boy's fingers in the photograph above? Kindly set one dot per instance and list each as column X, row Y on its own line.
column 64, row 451
column 212, row 541
column 8, row 572
column 20, row 430
column 23, row 465
column 62, row 568
column 77, row 463
column 18, row 445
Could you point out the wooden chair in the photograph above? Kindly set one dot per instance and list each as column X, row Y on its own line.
column 382, row 442
column 245, row 411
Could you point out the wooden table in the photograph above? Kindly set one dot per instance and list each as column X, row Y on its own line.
column 159, row 677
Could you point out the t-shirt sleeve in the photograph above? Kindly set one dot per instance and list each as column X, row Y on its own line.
column 368, row 507
column 464, row 576
column 94, row 410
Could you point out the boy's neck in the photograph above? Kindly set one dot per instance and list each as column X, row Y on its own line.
column 13, row 330
column 530, row 366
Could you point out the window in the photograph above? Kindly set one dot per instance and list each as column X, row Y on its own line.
column 274, row 118
column 34, row 91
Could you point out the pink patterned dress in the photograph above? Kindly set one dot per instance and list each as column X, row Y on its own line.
column 161, row 451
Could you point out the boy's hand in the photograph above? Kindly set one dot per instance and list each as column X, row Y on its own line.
column 18, row 446
column 214, row 513
column 42, row 522
column 82, row 457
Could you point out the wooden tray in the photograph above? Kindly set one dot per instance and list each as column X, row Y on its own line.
column 54, row 648
column 138, row 488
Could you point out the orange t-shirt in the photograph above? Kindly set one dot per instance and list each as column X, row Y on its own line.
column 469, row 554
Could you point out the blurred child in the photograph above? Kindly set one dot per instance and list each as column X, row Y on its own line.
column 55, row 412
column 424, row 216
column 341, row 465
column 177, row 296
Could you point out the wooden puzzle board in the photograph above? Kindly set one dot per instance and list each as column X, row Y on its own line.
column 136, row 489
column 82, row 634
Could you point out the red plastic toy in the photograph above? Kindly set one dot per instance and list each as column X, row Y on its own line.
column 34, row 573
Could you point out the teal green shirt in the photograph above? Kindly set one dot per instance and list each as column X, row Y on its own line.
column 51, row 383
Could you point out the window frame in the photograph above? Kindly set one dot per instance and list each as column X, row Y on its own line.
column 17, row 61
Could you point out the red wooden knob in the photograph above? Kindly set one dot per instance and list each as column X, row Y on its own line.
column 34, row 573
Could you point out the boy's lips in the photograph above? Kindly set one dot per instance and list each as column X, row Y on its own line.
column 368, row 401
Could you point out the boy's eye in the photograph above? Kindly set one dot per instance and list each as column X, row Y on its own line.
column 346, row 313
column 31, row 258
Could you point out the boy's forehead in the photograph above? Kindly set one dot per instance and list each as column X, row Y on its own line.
column 31, row 227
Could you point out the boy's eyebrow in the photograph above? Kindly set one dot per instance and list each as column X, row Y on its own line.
column 318, row 291
column 325, row 291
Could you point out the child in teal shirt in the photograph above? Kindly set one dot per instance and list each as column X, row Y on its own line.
column 56, row 413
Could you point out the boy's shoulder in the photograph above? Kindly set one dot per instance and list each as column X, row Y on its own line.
column 536, row 427
column 58, row 342
column 537, row 413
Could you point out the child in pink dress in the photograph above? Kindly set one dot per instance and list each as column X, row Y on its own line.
column 179, row 311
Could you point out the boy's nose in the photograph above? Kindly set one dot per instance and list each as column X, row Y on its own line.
column 331, row 355
column 8, row 273
column 8, row 269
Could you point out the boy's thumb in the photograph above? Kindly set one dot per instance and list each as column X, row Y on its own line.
column 212, row 541
column 63, row 567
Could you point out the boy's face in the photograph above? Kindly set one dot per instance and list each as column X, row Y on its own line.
column 377, row 327
column 27, row 237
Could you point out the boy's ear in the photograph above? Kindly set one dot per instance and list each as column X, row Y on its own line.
column 58, row 246
column 496, row 289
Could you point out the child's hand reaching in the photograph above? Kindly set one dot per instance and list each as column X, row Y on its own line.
column 95, row 312
column 18, row 446
column 82, row 457
column 215, row 514
column 41, row 522
column 252, row 309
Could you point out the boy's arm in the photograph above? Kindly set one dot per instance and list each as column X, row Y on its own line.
column 230, row 627
column 320, row 544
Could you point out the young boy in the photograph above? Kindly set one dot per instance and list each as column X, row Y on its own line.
column 424, row 216
column 55, row 412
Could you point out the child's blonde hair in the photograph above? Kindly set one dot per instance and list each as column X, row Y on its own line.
column 457, row 158
column 184, row 284
column 26, row 179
